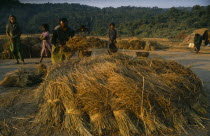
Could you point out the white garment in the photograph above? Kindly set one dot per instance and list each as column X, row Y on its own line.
column 191, row 45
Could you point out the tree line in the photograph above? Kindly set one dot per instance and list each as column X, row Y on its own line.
column 130, row 21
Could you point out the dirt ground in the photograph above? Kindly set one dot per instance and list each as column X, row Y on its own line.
column 16, row 103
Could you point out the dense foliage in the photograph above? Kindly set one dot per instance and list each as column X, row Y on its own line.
column 130, row 21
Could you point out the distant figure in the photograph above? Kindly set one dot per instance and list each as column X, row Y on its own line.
column 82, row 31
column 197, row 42
column 46, row 45
column 208, row 38
column 61, row 35
column 112, row 34
column 13, row 31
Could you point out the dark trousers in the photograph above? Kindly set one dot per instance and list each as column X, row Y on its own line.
column 197, row 47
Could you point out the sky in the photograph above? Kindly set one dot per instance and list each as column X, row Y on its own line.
column 137, row 3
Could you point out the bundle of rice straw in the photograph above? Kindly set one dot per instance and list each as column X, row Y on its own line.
column 132, row 44
column 124, row 44
column 23, row 77
column 120, row 95
column 42, row 70
column 6, row 54
column 31, row 46
column 154, row 45
column 137, row 44
column 97, row 43
column 77, row 43
column 82, row 44
column 17, row 78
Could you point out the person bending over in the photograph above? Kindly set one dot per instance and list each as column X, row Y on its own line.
column 61, row 35
column 197, row 41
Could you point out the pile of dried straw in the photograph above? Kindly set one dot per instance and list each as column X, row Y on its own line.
column 6, row 54
column 31, row 47
column 17, row 78
column 79, row 43
column 119, row 95
column 133, row 44
column 5, row 50
column 23, row 77
column 154, row 45
column 97, row 43
column 141, row 45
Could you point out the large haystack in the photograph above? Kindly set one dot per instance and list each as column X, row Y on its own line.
column 190, row 39
column 201, row 31
column 119, row 95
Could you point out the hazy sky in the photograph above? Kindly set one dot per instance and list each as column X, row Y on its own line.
column 118, row 3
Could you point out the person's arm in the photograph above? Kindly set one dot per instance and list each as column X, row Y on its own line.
column 54, row 38
column 108, row 34
column 115, row 36
column 201, row 38
column 44, row 36
column 7, row 32
column 72, row 33
column 41, row 36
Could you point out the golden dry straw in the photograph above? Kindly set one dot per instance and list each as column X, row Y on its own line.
column 140, row 44
column 120, row 95
column 23, row 77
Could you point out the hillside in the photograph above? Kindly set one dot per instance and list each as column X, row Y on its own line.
column 130, row 21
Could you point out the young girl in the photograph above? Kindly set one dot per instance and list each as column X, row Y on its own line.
column 46, row 45
column 112, row 35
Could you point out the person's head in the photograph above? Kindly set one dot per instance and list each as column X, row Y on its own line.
column 197, row 35
column 63, row 22
column 45, row 27
column 12, row 19
column 112, row 26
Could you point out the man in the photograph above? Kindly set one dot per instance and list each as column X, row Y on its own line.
column 112, row 48
column 61, row 35
column 13, row 32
